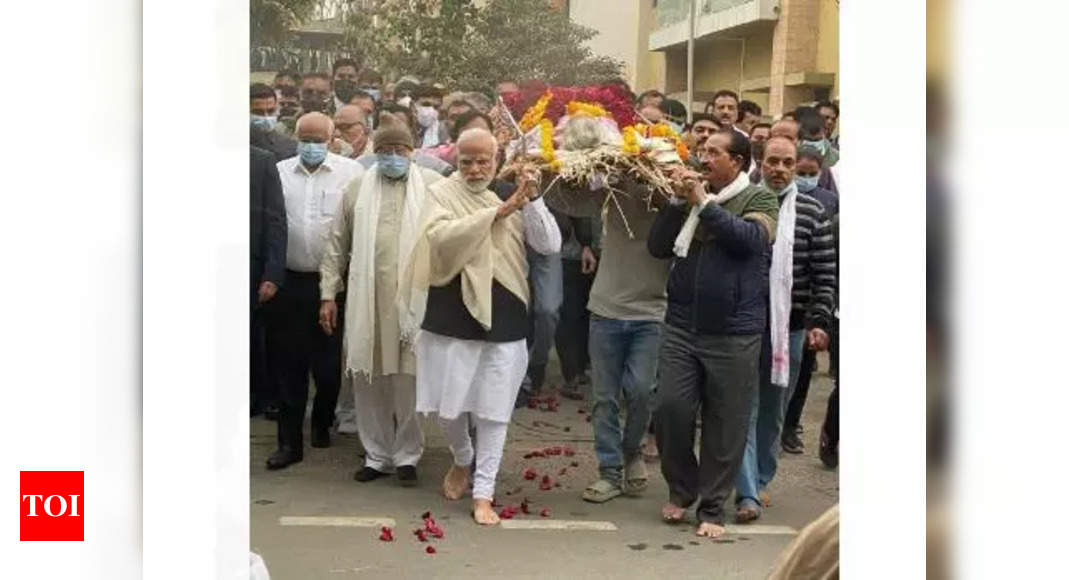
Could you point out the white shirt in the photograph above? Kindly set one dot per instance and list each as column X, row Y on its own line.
column 312, row 199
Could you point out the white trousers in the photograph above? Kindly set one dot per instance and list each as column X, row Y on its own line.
column 489, row 437
column 386, row 420
column 345, row 412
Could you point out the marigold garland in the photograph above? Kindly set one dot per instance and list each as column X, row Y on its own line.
column 589, row 109
column 631, row 146
column 534, row 115
column 549, row 153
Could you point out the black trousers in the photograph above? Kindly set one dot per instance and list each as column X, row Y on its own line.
column 831, row 419
column 298, row 345
column 573, row 329
column 261, row 387
column 718, row 375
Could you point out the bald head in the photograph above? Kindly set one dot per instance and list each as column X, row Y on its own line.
column 777, row 166
column 314, row 127
column 477, row 157
column 349, row 114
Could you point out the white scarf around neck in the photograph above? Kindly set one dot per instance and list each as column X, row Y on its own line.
column 686, row 233
column 780, row 281
column 360, row 299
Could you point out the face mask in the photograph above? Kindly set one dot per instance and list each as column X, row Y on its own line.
column 678, row 128
column 314, row 105
column 265, row 122
column 806, row 184
column 344, row 90
column 426, row 116
column 375, row 94
column 393, row 166
column 404, row 101
column 312, row 153
column 821, row 145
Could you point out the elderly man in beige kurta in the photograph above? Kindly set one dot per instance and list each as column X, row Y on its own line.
column 371, row 240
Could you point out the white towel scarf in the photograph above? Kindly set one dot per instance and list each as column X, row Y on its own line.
column 360, row 303
column 781, row 274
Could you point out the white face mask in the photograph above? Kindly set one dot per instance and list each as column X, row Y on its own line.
column 404, row 101
column 426, row 116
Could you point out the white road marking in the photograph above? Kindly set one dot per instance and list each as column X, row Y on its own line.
column 337, row 521
column 578, row 525
column 760, row 530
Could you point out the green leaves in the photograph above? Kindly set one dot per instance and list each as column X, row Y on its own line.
column 462, row 44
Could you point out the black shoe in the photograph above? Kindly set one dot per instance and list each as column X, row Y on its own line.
column 829, row 455
column 522, row 398
column 791, row 443
column 368, row 474
column 284, row 457
column 406, row 476
column 320, row 437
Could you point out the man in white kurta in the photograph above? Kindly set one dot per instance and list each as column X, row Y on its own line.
column 469, row 274
column 371, row 239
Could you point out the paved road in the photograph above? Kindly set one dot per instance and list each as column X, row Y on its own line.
column 640, row 546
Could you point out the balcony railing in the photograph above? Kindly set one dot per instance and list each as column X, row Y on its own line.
column 672, row 16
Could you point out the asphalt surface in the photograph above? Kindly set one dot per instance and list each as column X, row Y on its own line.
column 641, row 546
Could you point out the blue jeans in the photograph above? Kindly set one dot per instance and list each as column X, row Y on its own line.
column 546, row 281
column 623, row 361
column 766, row 419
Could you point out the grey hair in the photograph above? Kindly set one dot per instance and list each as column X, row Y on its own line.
column 480, row 101
column 475, row 133
column 583, row 133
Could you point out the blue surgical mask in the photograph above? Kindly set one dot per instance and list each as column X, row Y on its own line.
column 677, row 127
column 821, row 146
column 265, row 122
column 806, row 184
column 393, row 166
column 312, row 153
column 375, row 94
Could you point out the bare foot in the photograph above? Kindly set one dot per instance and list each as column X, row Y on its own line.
column 711, row 530
column 456, row 482
column 673, row 513
column 484, row 513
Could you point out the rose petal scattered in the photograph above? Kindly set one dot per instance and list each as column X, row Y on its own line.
column 507, row 512
column 431, row 550
column 386, row 535
column 421, row 534
column 569, row 452
column 547, row 483
column 544, row 513
column 529, row 473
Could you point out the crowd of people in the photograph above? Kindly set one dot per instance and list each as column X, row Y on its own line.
column 410, row 265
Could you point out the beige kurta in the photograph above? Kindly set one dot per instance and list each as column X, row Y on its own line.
column 389, row 355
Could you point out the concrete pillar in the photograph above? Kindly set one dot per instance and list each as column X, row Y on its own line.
column 794, row 49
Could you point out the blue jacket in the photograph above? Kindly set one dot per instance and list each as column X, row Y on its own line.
column 721, row 287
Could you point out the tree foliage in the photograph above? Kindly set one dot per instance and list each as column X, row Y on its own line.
column 475, row 45
column 270, row 21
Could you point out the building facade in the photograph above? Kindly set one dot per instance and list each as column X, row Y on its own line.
column 777, row 53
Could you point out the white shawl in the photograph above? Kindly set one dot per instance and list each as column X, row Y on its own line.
column 780, row 280
column 686, row 233
column 360, row 300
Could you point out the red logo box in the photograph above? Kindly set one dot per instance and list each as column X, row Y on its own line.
column 51, row 506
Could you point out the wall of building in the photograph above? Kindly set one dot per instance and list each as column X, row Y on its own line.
column 828, row 42
column 618, row 31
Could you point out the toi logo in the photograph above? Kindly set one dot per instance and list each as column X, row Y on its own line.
column 51, row 506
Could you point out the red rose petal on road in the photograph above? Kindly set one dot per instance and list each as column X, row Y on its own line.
column 431, row 550
column 569, row 452
column 529, row 473
column 386, row 535
column 546, row 484
column 544, row 513
column 422, row 535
